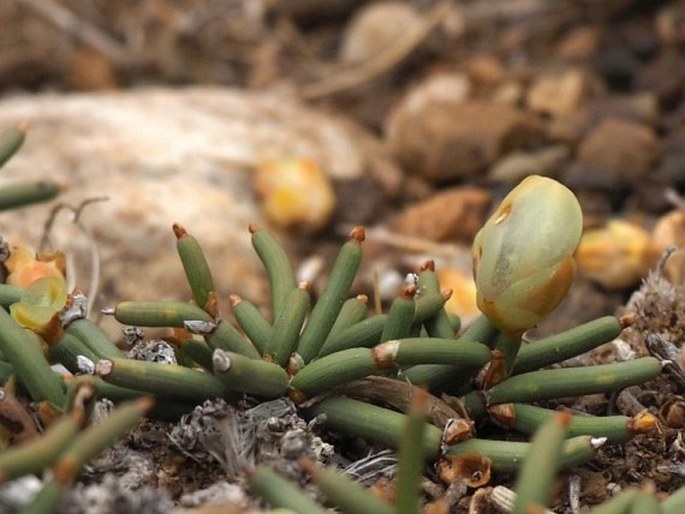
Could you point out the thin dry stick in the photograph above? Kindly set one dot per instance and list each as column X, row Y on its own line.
column 77, row 27
column 384, row 60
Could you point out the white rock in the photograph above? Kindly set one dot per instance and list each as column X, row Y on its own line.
column 163, row 156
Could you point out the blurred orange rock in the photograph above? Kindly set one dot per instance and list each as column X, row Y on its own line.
column 454, row 214
column 558, row 94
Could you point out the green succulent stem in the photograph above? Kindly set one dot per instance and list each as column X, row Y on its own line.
column 400, row 316
column 225, row 337
column 333, row 370
column 353, row 311
column 163, row 380
column 281, row 493
column 23, row 349
column 11, row 140
column 26, row 193
column 674, row 504
column 251, row 320
column 438, row 325
column 66, row 351
column 252, row 376
column 410, row 466
column 39, row 453
column 347, row 495
column 288, row 325
column 507, row 456
column 529, row 418
column 541, row 464
column 328, row 307
column 363, row 334
column 567, row 344
column 96, row 438
column 373, row 423
column 564, row 382
column 195, row 265
column 94, row 338
column 277, row 265
column 452, row 377
column 159, row 314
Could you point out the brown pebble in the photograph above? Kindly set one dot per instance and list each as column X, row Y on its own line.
column 449, row 141
column 558, row 94
column 451, row 215
column 624, row 150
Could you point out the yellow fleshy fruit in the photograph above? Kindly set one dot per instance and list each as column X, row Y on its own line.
column 523, row 256
column 40, row 303
column 616, row 256
column 295, row 193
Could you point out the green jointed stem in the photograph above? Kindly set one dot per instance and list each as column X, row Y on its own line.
column 674, row 504
column 347, row 495
column 251, row 320
column 277, row 265
column 428, row 350
column 195, row 266
column 281, row 493
column 509, row 347
column 159, row 314
column 66, row 351
column 645, row 502
column 410, row 466
column 364, row 334
column 26, row 193
column 11, row 140
column 10, row 294
column 528, row 418
column 400, row 318
column 164, row 380
column 333, row 370
column 429, row 305
column 564, row 382
column 288, row 325
column 39, row 453
column 353, row 311
column 198, row 352
column 23, row 350
column 508, row 455
column 251, row 376
column 540, row 466
column 373, row 423
column 94, row 338
column 619, row 504
column 97, row 438
column 439, row 324
column 441, row 376
column 567, row 344
column 328, row 307
column 227, row 338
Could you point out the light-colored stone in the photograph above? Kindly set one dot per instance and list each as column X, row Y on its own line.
column 447, row 141
column 376, row 27
column 558, row 94
column 623, row 149
column 163, row 156
column 439, row 87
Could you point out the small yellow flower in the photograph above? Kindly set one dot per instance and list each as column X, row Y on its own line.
column 40, row 304
column 25, row 267
column 523, row 256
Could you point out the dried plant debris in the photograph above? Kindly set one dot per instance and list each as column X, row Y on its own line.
column 239, row 440
column 111, row 495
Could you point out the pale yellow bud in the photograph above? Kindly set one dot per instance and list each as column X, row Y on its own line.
column 523, row 256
